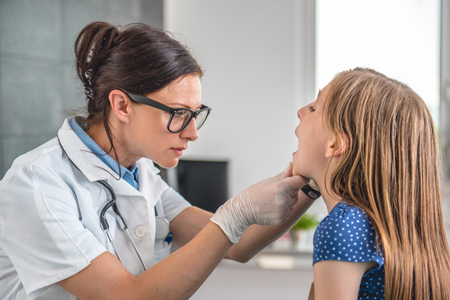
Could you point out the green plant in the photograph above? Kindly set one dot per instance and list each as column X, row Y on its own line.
column 306, row 222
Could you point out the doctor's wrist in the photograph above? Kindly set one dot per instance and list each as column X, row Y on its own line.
column 311, row 190
column 229, row 223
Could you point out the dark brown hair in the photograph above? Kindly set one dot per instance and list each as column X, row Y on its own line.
column 137, row 58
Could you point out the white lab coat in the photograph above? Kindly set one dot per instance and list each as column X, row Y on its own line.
column 42, row 199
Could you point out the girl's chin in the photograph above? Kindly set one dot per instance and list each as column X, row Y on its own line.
column 297, row 171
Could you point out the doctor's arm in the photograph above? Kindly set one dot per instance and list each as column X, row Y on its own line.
column 188, row 223
column 176, row 277
column 180, row 274
column 193, row 219
column 258, row 237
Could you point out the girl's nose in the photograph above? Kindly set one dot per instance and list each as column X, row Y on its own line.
column 300, row 113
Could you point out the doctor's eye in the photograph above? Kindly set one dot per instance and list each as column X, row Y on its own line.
column 182, row 114
column 311, row 108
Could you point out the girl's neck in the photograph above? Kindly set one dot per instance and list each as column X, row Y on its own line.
column 328, row 196
column 330, row 203
column 330, row 199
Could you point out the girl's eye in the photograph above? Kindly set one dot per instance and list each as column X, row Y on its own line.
column 311, row 108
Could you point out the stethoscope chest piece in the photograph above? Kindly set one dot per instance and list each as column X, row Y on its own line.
column 162, row 228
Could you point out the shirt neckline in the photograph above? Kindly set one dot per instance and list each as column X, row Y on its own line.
column 131, row 176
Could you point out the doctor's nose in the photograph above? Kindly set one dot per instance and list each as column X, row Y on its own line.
column 190, row 132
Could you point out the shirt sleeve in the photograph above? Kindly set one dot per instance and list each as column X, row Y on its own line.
column 40, row 228
column 173, row 203
column 346, row 234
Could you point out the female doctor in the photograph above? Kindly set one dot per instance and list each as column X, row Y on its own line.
column 87, row 216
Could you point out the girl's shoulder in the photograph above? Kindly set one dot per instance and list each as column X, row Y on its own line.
column 346, row 233
column 346, row 220
column 347, row 214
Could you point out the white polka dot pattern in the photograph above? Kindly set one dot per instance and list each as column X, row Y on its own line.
column 347, row 234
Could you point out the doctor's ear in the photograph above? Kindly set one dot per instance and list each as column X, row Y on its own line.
column 338, row 146
column 120, row 105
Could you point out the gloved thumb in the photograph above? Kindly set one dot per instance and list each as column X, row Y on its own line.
column 286, row 173
column 288, row 170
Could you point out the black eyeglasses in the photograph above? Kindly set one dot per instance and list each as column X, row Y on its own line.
column 179, row 117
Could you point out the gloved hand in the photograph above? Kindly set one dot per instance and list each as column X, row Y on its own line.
column 268, row 202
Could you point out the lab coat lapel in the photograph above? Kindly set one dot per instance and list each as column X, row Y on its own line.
column 80, row 155
column 150, row 185
column 89, row 164
column 123, row 188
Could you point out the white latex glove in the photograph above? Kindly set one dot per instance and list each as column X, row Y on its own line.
column 268, row 202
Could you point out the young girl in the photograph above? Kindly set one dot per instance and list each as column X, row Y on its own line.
column 369, row 143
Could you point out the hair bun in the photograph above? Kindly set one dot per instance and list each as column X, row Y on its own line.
column 92, row 47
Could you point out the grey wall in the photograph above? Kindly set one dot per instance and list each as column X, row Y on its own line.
column 38, row 84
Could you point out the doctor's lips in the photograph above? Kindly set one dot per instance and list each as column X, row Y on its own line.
column 179, row 151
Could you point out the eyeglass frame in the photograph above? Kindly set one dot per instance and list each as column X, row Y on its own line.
column 153, row 103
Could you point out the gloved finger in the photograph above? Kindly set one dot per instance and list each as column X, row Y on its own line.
column 293, row 194
column 291, row 203
column 285, row 215
column 292, row 185
column 286, row 199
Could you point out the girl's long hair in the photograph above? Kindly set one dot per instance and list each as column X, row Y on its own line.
column 391, row 171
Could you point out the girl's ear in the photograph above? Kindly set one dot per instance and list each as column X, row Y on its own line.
column 337, row 146
column 120, row 105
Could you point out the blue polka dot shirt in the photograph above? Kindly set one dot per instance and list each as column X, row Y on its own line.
column 347, row 234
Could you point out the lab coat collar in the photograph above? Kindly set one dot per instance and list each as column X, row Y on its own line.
column 80, row 155
column 94, row 169
column 150, row 184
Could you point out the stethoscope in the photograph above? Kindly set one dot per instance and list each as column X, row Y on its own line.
column 162, row 225
column 162, row 228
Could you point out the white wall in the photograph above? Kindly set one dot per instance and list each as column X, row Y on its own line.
column 445, row 111
column 259, row 62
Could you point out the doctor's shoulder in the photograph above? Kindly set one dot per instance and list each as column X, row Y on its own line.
column 39, row 182
column 46, row 155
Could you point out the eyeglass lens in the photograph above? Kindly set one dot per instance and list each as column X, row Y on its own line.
column 181, row 119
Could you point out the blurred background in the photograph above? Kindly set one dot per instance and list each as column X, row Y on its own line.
column 264, row 60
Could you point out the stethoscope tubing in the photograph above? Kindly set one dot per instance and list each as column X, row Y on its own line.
column 112, row 203
column 103, row 220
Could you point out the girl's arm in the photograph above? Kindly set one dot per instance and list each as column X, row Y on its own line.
column 338, row 280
